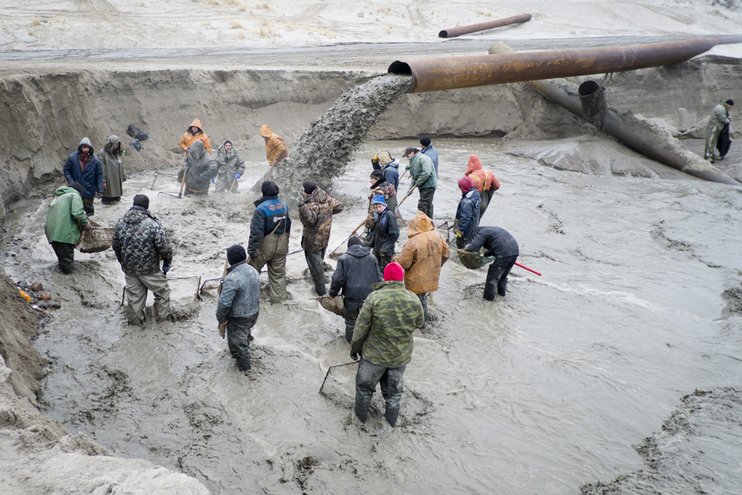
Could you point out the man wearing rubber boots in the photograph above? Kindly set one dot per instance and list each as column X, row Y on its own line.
column 383, row 339
column 499, row 243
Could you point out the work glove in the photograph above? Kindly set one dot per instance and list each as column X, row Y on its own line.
column 459, row 234
column 354, row 355
column 165, row 268
column 237, row 175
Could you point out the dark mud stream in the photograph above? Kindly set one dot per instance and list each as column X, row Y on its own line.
column 541, row 392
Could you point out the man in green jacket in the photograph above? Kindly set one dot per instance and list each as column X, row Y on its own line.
column 383, row 337
column 424, row 179
column 64, row 221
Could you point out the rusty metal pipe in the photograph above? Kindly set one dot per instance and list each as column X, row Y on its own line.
column 480, row 70
column 483, row 26
column 590, row 104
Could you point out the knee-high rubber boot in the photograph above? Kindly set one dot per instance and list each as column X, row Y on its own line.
column 361, row 408
column 391, row 414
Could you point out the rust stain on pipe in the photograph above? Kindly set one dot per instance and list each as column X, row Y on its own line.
column 443, row 73
column 483, row 26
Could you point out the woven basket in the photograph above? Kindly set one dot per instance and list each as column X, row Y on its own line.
column 473, row 260
column 96, row 239
column 334, row 304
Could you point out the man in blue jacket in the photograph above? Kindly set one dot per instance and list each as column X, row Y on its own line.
column 239, row 304
column 467, row 213
column 83, row 167
column 269, row 239
column 430, row 151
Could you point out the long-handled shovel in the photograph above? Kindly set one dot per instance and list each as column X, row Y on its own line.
column 526, row 268
column 348, row 237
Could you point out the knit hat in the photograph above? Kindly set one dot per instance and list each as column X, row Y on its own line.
column 142, row 201
column 466, row 184
column 309, row 187
column 269, row 188
column 378, row 200
column 394, row 272
column 425, row 140
column 410, row 150
column 730, row 102
column 235, row 254
column 354, row 239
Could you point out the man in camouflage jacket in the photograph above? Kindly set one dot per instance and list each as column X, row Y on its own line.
column 316, row 216
column 140, row 242
column 383, row 338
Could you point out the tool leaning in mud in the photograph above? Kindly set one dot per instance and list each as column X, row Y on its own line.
column 329, row 370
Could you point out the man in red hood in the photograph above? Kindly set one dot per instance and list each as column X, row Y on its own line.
column 484, row 181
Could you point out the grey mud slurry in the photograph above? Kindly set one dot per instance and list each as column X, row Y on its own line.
column 323, row 151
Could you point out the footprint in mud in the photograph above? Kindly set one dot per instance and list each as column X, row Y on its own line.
column 104, row 400
column 733, row 298
column 659, row 234
column 556, row 226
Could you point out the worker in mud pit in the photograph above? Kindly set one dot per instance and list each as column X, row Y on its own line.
column 499, row 243
column 390, row 168
column 230, row 168
column 269, row 239
column 718, row 119
column 200, row 170
column 114, row 175
column 423, row 178
column 140, row 243
column 64, row 221
column 429, row 150
column 357, row 270
column 275, row 148
column 315, row 212
column 192, row 134
column 382, row 338
column 484, row 181
column 83, row 167
column 467, row 213
column 422, row 257
column 380, row 187
column 239, row 305
column 384, row 232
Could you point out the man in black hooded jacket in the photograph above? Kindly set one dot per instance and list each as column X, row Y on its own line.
column 356, row 272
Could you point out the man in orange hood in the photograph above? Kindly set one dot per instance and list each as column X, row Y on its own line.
column 275, row 148
column 422, row 257
column 192, row 134
column 484, row 181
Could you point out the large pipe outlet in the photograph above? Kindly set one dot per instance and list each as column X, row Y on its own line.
column 437, row 74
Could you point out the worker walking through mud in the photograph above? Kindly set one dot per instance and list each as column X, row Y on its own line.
column 423, row 178
column 422, row 257
column 717, row 120
column 140, row 243
column 239, row 305
column 382, row 338
column 64, row 221
column 316, row 213
column 83, row 167
column 230, row 168
column 357, row 270
column 269, row 239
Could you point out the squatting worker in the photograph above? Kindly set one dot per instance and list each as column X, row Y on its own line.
column 83, row 167
column 192, row 134
column 140, row 242
column 64, row 221
column 239, row 304
column 383, row 339
column 316, row 213
column 499, row 243
column 718, row 119
column 423, row 178
column 269, row 239
column 357, row 270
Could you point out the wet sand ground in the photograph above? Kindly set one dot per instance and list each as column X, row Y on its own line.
column 536, row 393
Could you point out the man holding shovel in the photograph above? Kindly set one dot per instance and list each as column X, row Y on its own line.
column 239, row 305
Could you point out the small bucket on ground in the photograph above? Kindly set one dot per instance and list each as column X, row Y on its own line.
column 96, row 238
column 473, row 260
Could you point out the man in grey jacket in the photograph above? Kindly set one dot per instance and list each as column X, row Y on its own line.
column 239, row 304
column 356, row 272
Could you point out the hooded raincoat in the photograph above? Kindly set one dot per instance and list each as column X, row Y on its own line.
column 316, row 216
column 423, row 255
column 65, row 216
column 113, row 169
column 187, row 139
column 484, row 180
column 90, row 175
column 229, row 164
column 200, row 169
column 275, row 148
